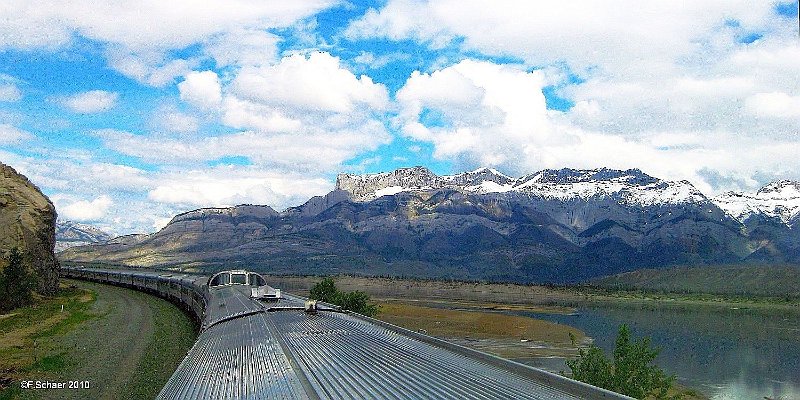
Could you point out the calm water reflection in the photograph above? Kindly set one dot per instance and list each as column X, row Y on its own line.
column 725, row 353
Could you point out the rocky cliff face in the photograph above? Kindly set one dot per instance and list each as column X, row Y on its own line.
column 27, row 222
column 371, row 186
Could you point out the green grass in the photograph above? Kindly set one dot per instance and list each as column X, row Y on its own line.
column 52, row 363
column 12, row 392
column 35, row 356
column 44, row 308
column 34, row 350
column 66, row 325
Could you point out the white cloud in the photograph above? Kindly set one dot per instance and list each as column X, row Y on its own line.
column 10, row 135
column 241, row 114
column 623, row 34
column 172, row 120
column 314, row 150
column 488, row 113
column 480, row 113
column 243, row 47
column 139, row 35
column 373, row 61
column 228, row 186
column 201, row 89
column 641, row 66
column 316, row 83
column 150, row 67
column 9, row 92
column 775, row 104
column 672, row 89
column 84, row 210
column 118, row 218
column 304, row 112
column 124, row 199
column 142, row 24
column 68, row 170
column 90, row 102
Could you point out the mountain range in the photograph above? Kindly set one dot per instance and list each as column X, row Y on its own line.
column 71, row 234
column 563, row 225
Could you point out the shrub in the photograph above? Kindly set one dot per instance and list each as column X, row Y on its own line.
column 356, row 301
column 324, row 291
column 630, row 372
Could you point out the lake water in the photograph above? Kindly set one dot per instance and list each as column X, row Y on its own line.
column 726, row 353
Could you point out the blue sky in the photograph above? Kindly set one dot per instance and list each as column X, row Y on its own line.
column 128, row 113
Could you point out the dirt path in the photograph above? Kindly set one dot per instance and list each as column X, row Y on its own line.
column 108, row 351
column 132, row 331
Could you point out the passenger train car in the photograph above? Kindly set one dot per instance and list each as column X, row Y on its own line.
column 258, row 285
column 258, row 343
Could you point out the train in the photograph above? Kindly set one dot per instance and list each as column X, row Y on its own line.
column 192, row 292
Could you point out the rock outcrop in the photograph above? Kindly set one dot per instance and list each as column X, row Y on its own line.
column 28, row 222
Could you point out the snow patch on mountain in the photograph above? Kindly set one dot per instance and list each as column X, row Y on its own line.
column 388, row 191
column 71, row 234
column 489, row 187
column 779, row 200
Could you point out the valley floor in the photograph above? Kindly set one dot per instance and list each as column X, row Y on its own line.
column 542, row 298
column 123, row 343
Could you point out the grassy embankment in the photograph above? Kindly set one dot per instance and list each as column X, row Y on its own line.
column 125, row 343
column 28, row 336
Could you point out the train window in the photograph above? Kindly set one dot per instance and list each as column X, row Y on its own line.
column 239, row 279
column 220, row 279
column 257, row 280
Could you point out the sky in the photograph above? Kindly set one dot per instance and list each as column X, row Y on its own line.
column 127, row 113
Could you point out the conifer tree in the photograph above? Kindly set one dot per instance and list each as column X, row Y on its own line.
column 16, row 283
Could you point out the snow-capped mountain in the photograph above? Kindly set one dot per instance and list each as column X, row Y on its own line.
column 371, row 186
column 630, row 186
column 70, row 234
column 561, row 225
column 779, row 200
column 481, row 180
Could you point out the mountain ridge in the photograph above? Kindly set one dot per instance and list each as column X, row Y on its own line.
column 550, row 226
column 71, row 234
column 544, row 183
